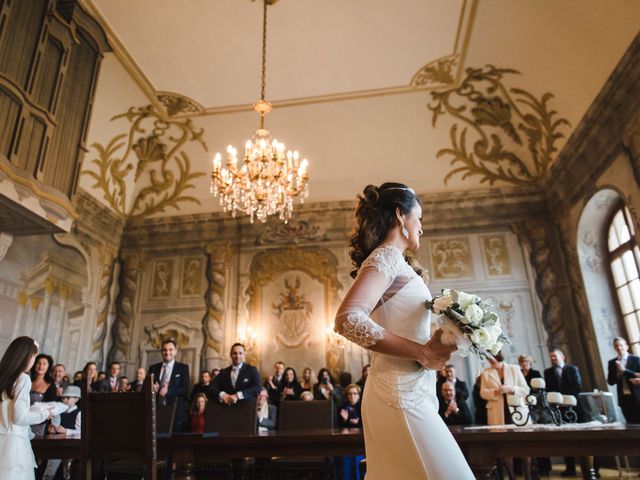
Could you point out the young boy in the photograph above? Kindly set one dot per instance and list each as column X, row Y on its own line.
column 67, row 423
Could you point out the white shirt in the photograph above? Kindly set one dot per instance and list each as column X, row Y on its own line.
column 235, row 371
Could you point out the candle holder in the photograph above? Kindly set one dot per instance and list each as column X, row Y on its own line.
column 545, row 408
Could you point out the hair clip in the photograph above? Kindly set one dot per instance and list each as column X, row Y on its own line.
column 35, row 342
column 408, row 189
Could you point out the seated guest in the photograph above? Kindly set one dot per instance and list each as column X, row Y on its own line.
column 171, row 381
column 350, row 414
column 529, row 373
column 123, row 384
column 214, row 373
column 67, row 423
column 196, row 413
column 203, row 385
column 452, row 410
column 325, row 388
column 272, row 383
column 307, row 381
column 239, row 381
column 449, row 375
column 60, row 379
column 349, row 417
column 136, row 385
column 290, row 388
column 101, row 376
column 77, row 377
column 307, row 397
column 112, row 381
column 363, row 378
column 267, row 414
column 90, row 372
column 344, row 379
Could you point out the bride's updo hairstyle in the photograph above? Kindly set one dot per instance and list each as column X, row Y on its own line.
column 376, row 216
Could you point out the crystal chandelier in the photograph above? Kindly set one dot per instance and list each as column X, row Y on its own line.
column 269, row 179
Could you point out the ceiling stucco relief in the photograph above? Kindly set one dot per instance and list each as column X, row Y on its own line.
column 501, row 133
column 152, row 151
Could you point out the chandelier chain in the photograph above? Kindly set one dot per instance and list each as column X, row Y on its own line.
column 264, row 51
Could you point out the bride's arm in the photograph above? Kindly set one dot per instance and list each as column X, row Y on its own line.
column 353, row 321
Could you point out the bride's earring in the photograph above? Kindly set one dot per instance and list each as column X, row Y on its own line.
column 405, row 232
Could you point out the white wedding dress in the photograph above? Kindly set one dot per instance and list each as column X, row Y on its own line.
column 405, row 438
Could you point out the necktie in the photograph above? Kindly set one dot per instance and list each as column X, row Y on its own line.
column 164, row 377
column 234, row 376
column 559, row 375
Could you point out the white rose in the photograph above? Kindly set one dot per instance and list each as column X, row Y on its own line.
column 495, row 348
column 473, row 315
column 441, row 304
column 495, row 331
column 481, row 338
column 465, row 299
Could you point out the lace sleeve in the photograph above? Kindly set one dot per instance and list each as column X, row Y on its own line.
column 376, row 275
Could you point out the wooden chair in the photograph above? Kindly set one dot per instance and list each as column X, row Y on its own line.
column 237, row 419
column 117, row 426
column 298, row 416
column 165, row 416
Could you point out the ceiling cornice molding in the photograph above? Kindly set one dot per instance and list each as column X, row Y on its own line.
column 124, row 56
column 461, row 45
column 598, row 139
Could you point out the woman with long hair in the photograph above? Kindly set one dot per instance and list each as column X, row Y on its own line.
column 289, row 388
column 197, row 413
column 16, row 457
column 326, row 389
column 43, row 388
column 384, row 311
column 307, row 380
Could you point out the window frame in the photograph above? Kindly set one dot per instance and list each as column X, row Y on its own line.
column 629, row 245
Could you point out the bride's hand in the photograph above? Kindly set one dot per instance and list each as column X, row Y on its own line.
column 434, row 354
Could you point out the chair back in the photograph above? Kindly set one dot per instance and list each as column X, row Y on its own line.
column 298, row 415
column 165, row 416
column 119, row 426
column 238, row 419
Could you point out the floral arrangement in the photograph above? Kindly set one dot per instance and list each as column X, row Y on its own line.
column 467, row 322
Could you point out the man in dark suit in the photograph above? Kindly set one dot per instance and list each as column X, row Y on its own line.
column 449, row 375
column 452, row 410
column 624, row 372
column 565, row 379
column 171, row 380
column 136, row 385
column 238, row 382
column 202, row 386
column 111, row 382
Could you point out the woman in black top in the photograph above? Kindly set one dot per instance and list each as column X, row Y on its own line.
column 325, row 389
column 529, row 373
column 290, row 388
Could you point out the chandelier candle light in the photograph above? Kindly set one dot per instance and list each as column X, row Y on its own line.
column 269, row 179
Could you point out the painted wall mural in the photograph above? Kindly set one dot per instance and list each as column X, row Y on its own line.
column 151, row 151
column 496, row 255
column 499, row 133
column 450, row 258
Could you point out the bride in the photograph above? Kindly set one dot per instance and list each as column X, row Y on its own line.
column 384, row 311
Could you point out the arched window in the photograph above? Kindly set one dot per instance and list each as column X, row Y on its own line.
column 624, row 260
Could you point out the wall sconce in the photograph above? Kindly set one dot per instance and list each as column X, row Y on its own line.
column 248, row 337
column 335, row 340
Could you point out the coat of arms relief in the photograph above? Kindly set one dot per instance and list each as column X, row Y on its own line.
column 293, row 312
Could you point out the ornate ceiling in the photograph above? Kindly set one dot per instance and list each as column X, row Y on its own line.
column 356, row 84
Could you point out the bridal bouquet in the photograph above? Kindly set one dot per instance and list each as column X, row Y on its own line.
column 467, row 322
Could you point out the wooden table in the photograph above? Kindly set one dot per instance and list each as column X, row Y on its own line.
column 481, row 447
